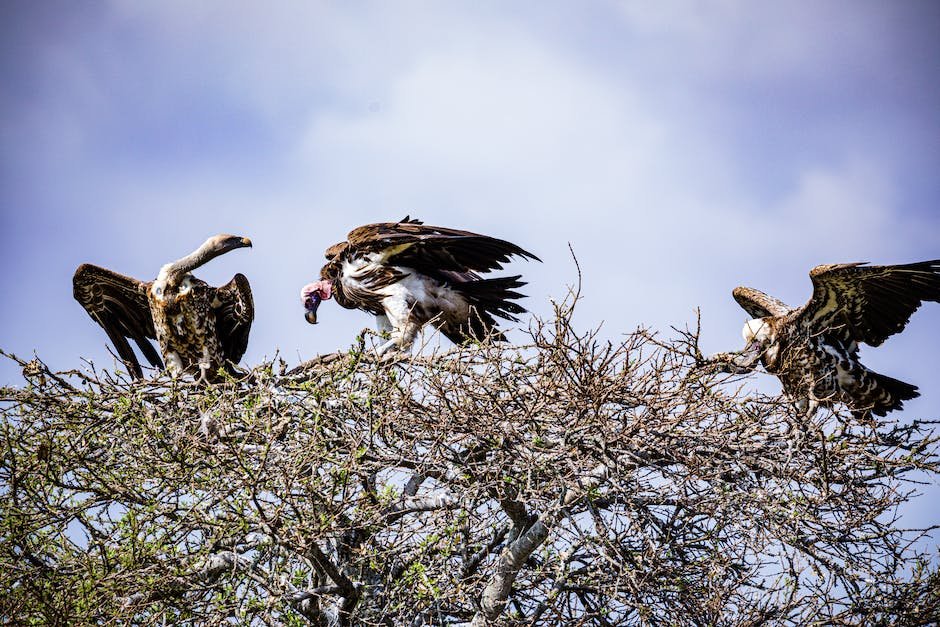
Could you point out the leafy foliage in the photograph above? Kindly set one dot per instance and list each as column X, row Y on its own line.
column 567, row 480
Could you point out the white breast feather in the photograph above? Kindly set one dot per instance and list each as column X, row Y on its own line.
column 416, row 288
column 357, row 267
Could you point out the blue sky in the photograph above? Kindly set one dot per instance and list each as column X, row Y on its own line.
column 682, row 148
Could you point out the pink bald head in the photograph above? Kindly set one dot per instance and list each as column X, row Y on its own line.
column 312, row 294
column 323, row 289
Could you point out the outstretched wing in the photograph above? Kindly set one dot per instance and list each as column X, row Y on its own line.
column 433, row 249
column 234, row 313
column 870, row 303
column 758, row 304
column 119, row 304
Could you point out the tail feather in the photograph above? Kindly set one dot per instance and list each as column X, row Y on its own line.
column 889, row 394
column 488, row 298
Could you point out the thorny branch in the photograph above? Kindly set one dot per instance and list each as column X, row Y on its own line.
column 567, row 480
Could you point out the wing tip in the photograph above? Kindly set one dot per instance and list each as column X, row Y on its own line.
column 527, row 255
column 241, row 279
column 81, row 272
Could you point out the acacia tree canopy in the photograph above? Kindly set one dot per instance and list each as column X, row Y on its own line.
column 566, row 480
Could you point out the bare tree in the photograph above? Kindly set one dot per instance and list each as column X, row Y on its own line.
column 568, row 480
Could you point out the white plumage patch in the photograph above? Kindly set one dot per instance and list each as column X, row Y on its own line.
column 358, row 267
column 399, row 297
column 157, row 289
column 429, row 294
column 163, row 275
column 409, row 303
column 757, row 329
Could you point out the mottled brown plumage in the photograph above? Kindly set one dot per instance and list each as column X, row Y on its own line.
column 199, row 328
column 409, row 274
column 813, row 349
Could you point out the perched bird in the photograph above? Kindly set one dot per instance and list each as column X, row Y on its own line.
column 813, row 349
column 409, row 274
column 200, row 328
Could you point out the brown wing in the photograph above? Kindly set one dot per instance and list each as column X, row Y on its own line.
column 336, row 250
column 871, row 303
column 758, row 304
column 433, row 248
column 119, row 304
column 234, row 313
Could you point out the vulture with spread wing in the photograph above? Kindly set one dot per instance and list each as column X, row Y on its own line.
column 813, row 349
column 200, row 328
column 410, row 274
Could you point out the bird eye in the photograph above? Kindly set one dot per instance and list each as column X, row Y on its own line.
column 158, row 291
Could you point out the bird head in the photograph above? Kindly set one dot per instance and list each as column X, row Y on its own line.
column 224, row 243
column 172, row 273
column 312, row 294
column 758, row 332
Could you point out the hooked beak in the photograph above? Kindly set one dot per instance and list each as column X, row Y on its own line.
column 750, row 355
column 311, row 314
column 231, row 242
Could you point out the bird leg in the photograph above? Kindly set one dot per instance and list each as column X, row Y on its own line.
column 173, row 363
column 387, row 346
column 384, row 324
column 205, row 365
column 402, row 339
column 807, row 407
column 811, row 407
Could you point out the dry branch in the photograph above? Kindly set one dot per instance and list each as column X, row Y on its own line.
column 568, row 480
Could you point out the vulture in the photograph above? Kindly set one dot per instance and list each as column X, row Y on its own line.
column 199, row 328
column 410, row 274
column 813, row 349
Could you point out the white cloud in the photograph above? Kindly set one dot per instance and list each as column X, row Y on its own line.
column 761, row 40
column 515, row 118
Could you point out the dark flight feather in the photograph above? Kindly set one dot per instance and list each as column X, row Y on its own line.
column 871, row 303
column 118, row 303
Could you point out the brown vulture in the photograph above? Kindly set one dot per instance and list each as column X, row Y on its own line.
column 813, row 349
column 200, row 328
column 410, row 274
